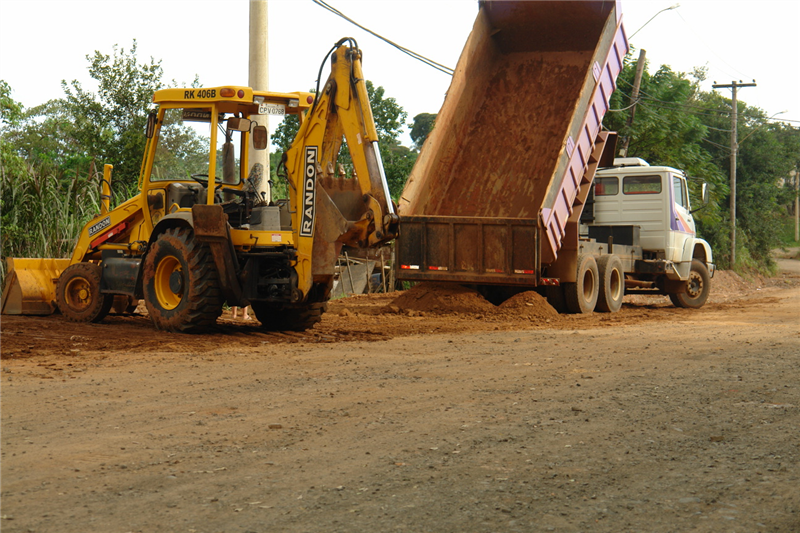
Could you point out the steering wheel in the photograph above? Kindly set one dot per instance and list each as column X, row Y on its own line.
column 202, row 179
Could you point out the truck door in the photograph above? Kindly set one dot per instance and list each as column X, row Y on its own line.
column 681, row 222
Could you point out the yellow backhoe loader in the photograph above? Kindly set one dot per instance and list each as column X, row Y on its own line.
column 200, row 233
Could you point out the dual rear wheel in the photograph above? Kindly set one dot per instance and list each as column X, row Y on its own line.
column 599, row 285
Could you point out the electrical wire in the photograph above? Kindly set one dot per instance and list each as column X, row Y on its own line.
column 419, row 57
column 720, row 146
column 633, row 104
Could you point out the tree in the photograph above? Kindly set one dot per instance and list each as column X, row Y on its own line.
column 286, row 132
column 109, row 123
column 421, row 128
column 10, row 109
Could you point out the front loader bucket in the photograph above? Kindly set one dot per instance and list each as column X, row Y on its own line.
column 30, row 286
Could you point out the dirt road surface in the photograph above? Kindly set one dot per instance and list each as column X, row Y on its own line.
column 431, row 413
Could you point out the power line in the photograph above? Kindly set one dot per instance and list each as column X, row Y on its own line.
column 419, row 57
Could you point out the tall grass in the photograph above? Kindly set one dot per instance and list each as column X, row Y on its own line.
column 43, row 210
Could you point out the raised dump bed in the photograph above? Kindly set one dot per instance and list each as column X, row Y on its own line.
column 518, row 137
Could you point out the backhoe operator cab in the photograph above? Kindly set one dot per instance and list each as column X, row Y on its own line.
column 178, row 178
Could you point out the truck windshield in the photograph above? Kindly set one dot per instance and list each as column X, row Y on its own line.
column 679, row 189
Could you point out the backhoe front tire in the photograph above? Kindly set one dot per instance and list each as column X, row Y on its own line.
column 581, row 296
column 181, row 283
column 697, row 288
column 78, row 294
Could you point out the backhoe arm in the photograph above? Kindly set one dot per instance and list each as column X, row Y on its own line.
column 355, row 211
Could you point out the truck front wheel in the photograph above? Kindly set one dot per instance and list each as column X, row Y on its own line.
column 697, row 288
column 612, row 284
column 581, row 296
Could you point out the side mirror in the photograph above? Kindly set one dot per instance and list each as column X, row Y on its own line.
column 703, row 196
column 151, row 126
column 239, row 124
column 260, row 137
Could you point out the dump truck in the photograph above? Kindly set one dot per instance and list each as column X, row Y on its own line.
column 503, row 196
column 202, row 232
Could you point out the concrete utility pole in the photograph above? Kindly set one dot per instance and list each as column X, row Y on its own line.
column 734, row 148
column 259, row 80
column 637, row 81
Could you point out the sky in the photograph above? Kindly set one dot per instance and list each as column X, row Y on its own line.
column 43, row 42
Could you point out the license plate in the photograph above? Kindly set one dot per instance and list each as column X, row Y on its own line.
column 271, row 109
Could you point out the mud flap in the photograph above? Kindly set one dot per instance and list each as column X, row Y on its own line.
column 211, row 227
column 30, row 286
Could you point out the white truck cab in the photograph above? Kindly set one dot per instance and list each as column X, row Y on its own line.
column 656, row 200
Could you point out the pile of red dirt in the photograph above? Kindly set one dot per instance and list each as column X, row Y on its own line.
column 441, row 298
column 444, row 298
column 529, row 304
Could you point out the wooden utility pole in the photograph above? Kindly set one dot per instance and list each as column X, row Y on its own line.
column 637, row 81
column 734, row 148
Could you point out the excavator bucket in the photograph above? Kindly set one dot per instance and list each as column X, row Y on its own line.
column 30, row 286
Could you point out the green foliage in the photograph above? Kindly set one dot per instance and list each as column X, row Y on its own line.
column 421, row 128
column 389, row 116
column 389, row 120
column 286, row 132
column 10, row 109
column 398, row 161
column 109, row 123
column 41, row 210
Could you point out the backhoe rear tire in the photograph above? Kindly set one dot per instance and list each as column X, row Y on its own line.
column 612, row 284
column 181, row 283
column 78, row 294
column 697, row 288
column 581, row 296
column 294, row 317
